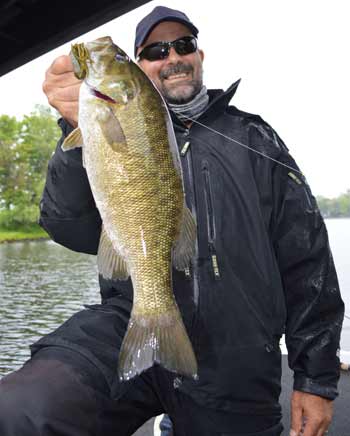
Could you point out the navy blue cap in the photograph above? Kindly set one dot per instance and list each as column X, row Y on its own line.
column 159, row 14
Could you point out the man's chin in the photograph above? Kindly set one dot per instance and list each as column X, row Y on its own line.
column 179, row 94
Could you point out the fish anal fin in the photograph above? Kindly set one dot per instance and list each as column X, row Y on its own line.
column 158, row 339
column 110, row 263
column 111, row 128
column 73, row 140
column 185, row 246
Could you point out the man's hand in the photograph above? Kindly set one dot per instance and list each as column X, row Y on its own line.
column 62, row 89
column 311, row 414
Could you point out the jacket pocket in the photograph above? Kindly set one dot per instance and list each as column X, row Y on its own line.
column 210, row 215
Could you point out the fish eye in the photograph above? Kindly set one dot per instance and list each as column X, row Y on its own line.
column 121, row 58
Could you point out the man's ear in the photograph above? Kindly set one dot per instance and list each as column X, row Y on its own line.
column 201, row 54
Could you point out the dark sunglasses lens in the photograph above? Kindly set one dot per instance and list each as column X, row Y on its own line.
column 185, row 46
column 155, row 53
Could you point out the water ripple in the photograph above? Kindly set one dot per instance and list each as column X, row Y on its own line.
column 41, row 285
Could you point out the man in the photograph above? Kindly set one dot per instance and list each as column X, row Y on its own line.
column 263, row 267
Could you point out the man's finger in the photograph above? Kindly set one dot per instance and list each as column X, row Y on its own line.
column 69, row 111
column 69, row 93
column 315, row 427
column 60, row 65
column 64, row 79
column 323, row 432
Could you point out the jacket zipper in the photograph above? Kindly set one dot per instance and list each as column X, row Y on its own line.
column 210, row 221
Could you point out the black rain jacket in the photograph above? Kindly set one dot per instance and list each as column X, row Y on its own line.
column 264, row 265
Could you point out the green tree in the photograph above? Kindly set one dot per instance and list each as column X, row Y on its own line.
column 39, row 133
column 335, row 207
column 26, row 147
column 344, row 204
column 9, row 157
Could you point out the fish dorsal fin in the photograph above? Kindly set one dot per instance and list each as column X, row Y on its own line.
column 110, row 263
column 111, row 128
column 185, row 246
column 73, row 140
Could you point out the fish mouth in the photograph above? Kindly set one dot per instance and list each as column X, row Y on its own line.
column 100, row 95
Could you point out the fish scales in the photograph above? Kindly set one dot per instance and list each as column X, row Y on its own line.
column 150, row 204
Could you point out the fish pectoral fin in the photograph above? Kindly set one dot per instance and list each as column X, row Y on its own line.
column 185, row 246
column 159, row 339
column 111, row 128
column 110, row 263
column 73, row 140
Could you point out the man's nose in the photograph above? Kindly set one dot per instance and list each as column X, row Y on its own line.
column 173, row 56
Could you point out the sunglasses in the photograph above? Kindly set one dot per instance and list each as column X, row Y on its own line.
column 160, row 50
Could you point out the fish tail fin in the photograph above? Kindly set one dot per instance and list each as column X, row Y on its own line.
column 162, row 339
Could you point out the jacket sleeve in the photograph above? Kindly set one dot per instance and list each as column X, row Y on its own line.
column 67, row 209
column 314, row 306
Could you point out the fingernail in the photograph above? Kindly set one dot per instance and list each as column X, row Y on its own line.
column 293, row 433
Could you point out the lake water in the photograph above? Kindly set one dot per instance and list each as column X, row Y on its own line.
column 42, row 284
column 339, row 238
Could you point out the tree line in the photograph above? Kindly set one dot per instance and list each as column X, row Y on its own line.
column 338, row 207
column 25, row 149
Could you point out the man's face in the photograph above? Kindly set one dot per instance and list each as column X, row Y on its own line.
column 178, row 78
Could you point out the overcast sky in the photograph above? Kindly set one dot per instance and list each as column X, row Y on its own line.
column 292, row 56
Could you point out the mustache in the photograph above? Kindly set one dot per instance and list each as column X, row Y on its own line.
column 176, row 69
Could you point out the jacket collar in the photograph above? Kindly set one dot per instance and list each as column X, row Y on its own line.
column 218, row 102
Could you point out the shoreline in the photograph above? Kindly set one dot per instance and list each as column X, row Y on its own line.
column 336, row 217
column 12, row 241
column 22, row 235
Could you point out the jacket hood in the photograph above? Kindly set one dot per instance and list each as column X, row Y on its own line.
column 220, row 99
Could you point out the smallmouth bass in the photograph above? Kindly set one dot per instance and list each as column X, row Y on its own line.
column 132, row 162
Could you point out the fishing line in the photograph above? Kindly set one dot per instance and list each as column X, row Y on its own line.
column 241, row 144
